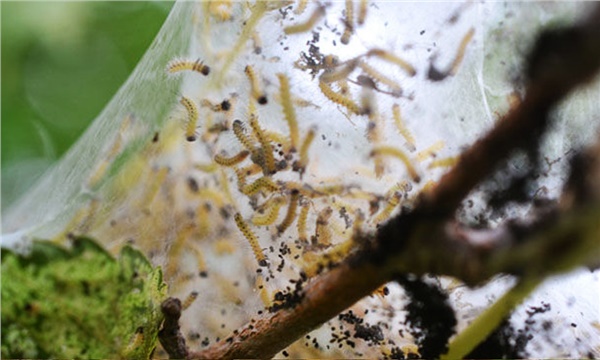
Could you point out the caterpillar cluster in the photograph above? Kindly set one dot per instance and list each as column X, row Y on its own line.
column 256, row 193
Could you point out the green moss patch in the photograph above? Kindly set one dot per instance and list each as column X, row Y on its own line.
column 79, row 303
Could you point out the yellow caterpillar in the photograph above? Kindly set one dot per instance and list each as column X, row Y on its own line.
column 252, row 239
column 308, row 24
column 178, row 65
column 255, row 187
column 192, row 110
column 397, row 153
column 271, row 213
column 290, row 216
column 255, row 88
column 231, row 161
column 288, row 109
column 339, row 98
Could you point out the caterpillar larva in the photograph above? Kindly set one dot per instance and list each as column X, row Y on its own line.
column 189, row 300
column 300, row 7
column 290, row 215
column 203, row 216
column 244, row 172
column 301, row 225
column 330, row 75
column 178, row 65
column 402, row 129
column 267, row 149
column 262, row 183
column 252, row 239
column 436, row 75
column 394, row 59
column 388, row 209
column 308, row 24
column 348, row 22
column 460, row 54
column 339, row 99
column 288, row 109
column 271, row 211
column 445, row 162
column 192, row 110
column 397, row 153
column 240, row 133
column 301, row 164
column 255, row 88
column 396, row 89
column 233, row 160
column 202, row 272
column 223, row 106
column 362, row 11
column 264, row 293
column 323, row 232
column 430, row 151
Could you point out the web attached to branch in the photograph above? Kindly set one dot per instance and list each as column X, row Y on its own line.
column 254, row 140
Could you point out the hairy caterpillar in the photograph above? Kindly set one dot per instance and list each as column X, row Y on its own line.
column 252, row 239
column 178, row 65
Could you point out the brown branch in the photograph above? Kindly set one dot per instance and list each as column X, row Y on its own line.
column 419, row 242
column 323, row 298
column 170, row 336
column 561, row 61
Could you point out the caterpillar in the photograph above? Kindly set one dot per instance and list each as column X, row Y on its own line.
column 362, row 11
column 189, row 300
column 348, row 22
column 397, row 153
column 231, row 161
column 395, row 88
column 240, row 133
column 301, row 225
column 288, row 109
column 387, row 211
column 252, row 239
column 445, row 162
column 339, row 99
column 178, row 65
column 267, row 150
column 223, row 106
column 301, row 164
column 301, row 7
column 308, row 24
column 322, row 232
column 271, row 211
column 255, row 88
column 402, row 129
column 430, row 151
column 192, row 110
column 330, row 76
column 255, row 187
column 394, row 59
column 290, row 215
column 460, row 54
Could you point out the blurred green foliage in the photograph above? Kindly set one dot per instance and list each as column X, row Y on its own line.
column 61, row 64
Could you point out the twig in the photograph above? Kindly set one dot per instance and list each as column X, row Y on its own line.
column 169, row 336
column 323, row 298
